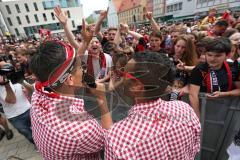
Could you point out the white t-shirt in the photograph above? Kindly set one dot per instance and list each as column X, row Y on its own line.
column 96, row 65
column 22, row 104
column 189, row 30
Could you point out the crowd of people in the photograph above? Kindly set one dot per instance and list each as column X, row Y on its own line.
column 149, row 67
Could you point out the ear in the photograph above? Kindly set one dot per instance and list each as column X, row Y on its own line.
column 137, row 89
column 69, row 80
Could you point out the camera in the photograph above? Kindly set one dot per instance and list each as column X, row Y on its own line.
column 9, row 72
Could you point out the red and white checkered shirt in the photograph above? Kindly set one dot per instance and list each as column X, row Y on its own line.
column 63, row 130
column 155, row 130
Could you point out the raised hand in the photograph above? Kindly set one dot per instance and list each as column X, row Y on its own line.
column 147, row 14
column 87, row 32
column 124, row 28
column 103, row 14
column 61, row 15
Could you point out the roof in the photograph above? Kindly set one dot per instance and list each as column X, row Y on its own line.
column 117, row 4
column 129, row 4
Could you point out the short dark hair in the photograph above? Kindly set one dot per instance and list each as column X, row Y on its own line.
column 219, row 45
column 112, row 29
column 21, row 51
column 160, row 72
column 229, row 32
column 156, row 34
column 109, row 47
column 50, row 55
column 222, row 23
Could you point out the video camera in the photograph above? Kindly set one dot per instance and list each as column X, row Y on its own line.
column 9, row 72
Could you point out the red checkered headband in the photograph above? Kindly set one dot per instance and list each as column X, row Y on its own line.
column 62, row 72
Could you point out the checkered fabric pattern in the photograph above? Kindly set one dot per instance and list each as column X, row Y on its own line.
column 63, row 130
column 155, row 130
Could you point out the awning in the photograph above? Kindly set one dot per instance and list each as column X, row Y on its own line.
column 166, row 18
column 183, row 17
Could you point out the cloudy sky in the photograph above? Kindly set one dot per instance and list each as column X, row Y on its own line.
column 91, row 5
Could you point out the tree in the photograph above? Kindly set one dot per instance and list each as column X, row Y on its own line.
column 89, row 19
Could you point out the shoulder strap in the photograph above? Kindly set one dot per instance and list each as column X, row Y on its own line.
column 208, row 81
column 229, row 74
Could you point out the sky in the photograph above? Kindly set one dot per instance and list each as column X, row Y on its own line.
column 91, row 5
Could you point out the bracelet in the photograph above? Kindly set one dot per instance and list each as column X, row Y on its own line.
column 4, row 83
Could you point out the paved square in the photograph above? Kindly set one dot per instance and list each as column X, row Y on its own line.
column 18, row 148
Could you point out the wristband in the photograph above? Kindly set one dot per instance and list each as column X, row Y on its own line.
column 4, row 83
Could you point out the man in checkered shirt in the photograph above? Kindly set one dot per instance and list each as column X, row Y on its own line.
column 154, row 128
column 62, row 129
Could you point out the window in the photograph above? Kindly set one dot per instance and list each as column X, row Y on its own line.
column 175, row 7
column 171, row 8
column 73, row 24
column 19, row 21
column 30, row 30
column 36, row 18
column 63, row 3
column 44, row 17
column 9, row 21
column 35, row 6
column 53, row 16
column 134, row 18
column 8, row 9
column 68, row 13
column 26, row 7
column 50, row 4
column 71, row 3
column 17, row 32
column 180, row 6
column 27, row 18
column 17, row 8
column 77, row 3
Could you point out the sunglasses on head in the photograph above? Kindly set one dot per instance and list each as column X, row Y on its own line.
column 128, row 53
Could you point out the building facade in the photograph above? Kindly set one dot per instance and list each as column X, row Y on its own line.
column 159, row 9
column 113, row 12
column 25, row 17
column 131, row 12
column 203, row 6
column 3, row 26
column 180, row 9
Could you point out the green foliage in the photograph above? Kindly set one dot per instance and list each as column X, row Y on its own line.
column 89, row 20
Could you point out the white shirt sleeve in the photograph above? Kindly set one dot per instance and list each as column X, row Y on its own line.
column 3, row 93
column 108, row 63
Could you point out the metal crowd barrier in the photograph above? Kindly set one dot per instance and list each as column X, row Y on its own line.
column 220, row 122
